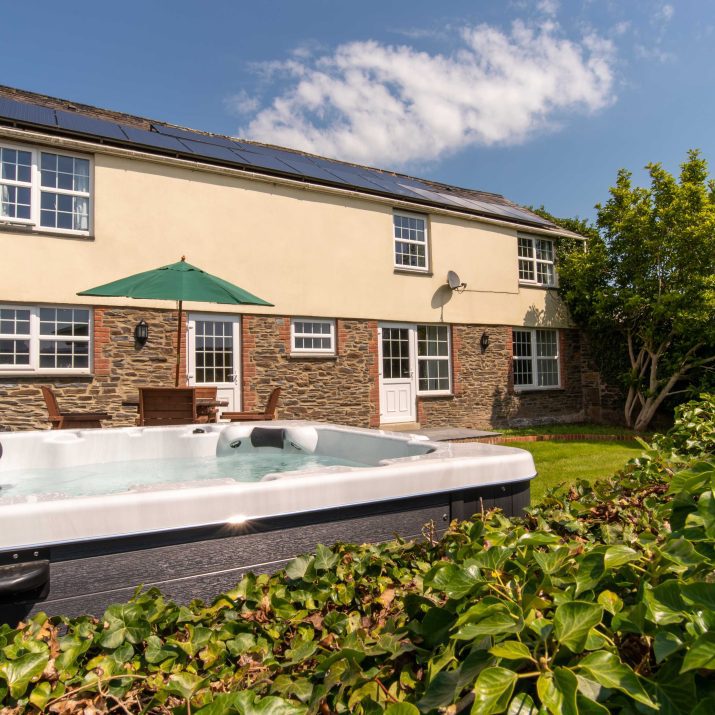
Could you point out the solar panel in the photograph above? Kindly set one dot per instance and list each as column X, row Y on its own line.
column 212, row 151
column 89, row 125
column 351, row 176
column 193, row 136
column 153, row 139
column 30, row 113
column 307, row 168
column 266, row 161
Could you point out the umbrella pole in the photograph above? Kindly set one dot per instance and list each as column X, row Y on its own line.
column 178, row 345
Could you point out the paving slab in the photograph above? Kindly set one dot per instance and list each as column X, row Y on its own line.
column 446, row 434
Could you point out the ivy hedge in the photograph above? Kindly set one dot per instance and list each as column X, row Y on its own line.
column 600, row 599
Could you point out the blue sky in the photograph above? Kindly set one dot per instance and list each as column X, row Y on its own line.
column 540, row 100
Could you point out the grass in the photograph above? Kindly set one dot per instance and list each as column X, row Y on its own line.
column 572, row 428
column 567, row 462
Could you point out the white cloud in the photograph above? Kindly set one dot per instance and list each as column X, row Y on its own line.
column 392, row 105
column 241, row 103
column 548, row 7
column 665, row 13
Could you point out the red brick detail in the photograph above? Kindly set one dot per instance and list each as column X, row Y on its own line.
column 249, row 400
column 101, row 364
column 510, row 352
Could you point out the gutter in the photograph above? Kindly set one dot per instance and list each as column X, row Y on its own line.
column 93, row 147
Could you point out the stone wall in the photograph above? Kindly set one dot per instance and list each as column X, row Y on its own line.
column 343, row 388
column 331, row 389
column 120, row 367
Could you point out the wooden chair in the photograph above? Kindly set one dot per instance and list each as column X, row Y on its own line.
column 210, row 413
column 70, row 420
column 268, row 414
column 167, row 406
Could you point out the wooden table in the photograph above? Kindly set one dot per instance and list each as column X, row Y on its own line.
column 204, row 405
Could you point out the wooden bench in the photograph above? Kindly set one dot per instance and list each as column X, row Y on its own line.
column 269, row 413
column 70, row 420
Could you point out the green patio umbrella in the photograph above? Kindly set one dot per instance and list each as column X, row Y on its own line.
column 179, row 281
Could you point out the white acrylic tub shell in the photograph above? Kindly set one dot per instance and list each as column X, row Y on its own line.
column 401, row 466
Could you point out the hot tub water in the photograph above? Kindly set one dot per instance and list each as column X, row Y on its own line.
column 115, row 477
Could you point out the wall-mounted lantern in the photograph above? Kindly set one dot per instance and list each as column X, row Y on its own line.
column 141, row 333
column 484, row 340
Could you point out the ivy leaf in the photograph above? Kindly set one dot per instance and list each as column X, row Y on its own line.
column 19, row 673
column 511, row 650
column 436, row 625
column 700, row 593
column 155, row 651
column 619, row 555
column 325, row 559
column 185, row 684
column 665, row 644
column 522, row 704
column 701, row 653
column 590, row 571
column 705, row 707
column 493, row 690
column 487, row 619
column 241, row 643
column 298, row 567
column 572, row 622
column 586, row 706
column 608, row 670
column 124, row 622
column 557, row 690
column 455, row 581
column 441, row 691
column 401, row 709
column 41, row 695
column 610, row 601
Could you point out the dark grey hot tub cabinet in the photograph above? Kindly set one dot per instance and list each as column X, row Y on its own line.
column 85, row 577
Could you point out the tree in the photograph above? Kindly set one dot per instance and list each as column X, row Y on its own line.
column 648, row 276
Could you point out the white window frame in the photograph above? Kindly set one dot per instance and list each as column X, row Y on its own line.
column 36, row 190
column 35, row 337
column 426, row 358
column 534, row 261
column 312, row 351
column 535, row 357
column 395, row 240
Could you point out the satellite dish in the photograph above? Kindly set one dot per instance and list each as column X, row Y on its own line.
column 454, row 281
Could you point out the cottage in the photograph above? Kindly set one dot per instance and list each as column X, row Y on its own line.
column 366, row 328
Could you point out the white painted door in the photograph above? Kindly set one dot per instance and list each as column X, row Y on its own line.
column 214, row 355
column 398, row 385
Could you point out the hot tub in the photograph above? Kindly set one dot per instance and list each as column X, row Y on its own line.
column 87, row 515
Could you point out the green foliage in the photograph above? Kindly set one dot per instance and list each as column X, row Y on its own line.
column 648, row 274
column 598, row 600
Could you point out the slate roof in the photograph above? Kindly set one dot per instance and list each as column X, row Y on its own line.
column 24, row 109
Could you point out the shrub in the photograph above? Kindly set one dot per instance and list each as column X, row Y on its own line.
column 598, row 600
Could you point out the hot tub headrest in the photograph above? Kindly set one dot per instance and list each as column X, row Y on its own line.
column 268, row 437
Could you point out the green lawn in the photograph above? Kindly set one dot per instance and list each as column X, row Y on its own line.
column 567, row 462
column 572, row 428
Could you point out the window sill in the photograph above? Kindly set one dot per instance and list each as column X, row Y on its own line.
column 45, row 375
column 27, row 230
column 413, row 271
column 538, row 286
column 312, row 356
column 435, row 395
column 522, row 390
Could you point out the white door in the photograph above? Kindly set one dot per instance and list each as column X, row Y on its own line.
column 214, row 355
column 398, row 385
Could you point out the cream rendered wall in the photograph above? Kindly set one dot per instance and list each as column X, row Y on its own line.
column 308, row 252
